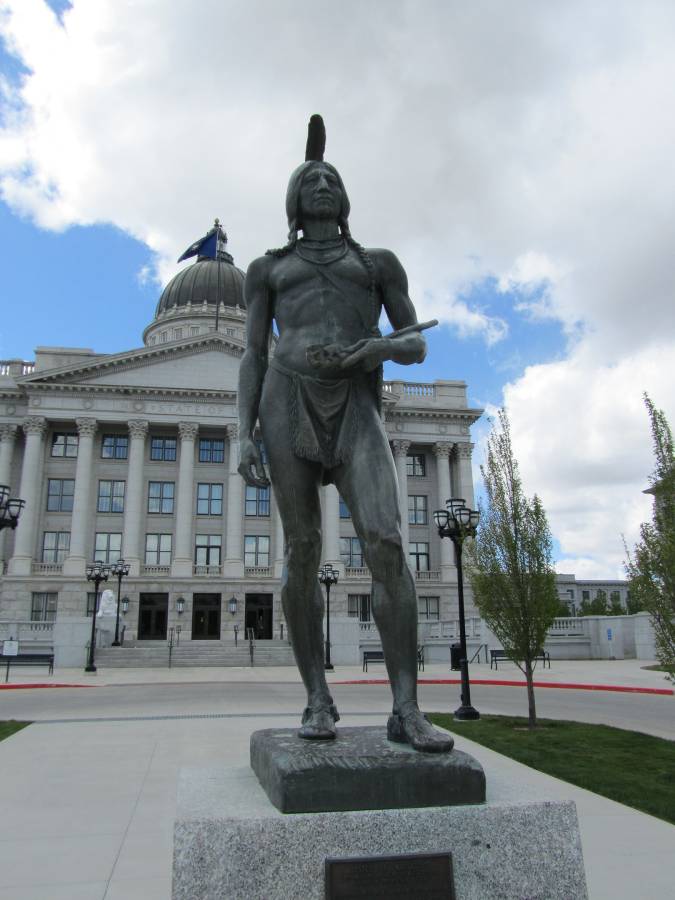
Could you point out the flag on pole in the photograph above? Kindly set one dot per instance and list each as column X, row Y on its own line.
column 210, row 245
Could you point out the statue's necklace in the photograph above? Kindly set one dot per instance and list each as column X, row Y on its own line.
column 322, row 253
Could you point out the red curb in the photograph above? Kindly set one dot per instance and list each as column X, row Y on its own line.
column 28, row 687
column 538, row 684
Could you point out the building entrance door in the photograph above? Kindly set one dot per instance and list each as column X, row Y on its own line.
column 206, row 617
column 259, row 616
column 152, row 617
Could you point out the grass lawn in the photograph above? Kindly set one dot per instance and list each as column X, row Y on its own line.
column 656, row 668
column 11, row 727
column 631, row 768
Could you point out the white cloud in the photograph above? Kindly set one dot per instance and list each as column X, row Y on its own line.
column 583, row 441
column 525, row 142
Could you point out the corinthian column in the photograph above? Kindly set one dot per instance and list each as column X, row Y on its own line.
column 234, row 561
column 401, row 459
column 7, row 437
column 134, row 496
column 181, row 565
column 442, row 453
column 29, row 490
column 278, row 544
column 76, row 560
column 464, row 472
column 331, row 525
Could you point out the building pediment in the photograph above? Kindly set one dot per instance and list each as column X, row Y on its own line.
column 207, row 364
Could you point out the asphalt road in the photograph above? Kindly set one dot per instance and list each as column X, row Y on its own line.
column 651, row 714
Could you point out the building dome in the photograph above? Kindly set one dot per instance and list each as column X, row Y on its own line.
column 206, row 281
column 209, row 291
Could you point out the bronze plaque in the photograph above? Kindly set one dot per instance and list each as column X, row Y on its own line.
column 424, row 876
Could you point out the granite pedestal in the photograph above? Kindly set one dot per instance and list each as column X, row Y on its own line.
column 360, row 769
column 231, row 842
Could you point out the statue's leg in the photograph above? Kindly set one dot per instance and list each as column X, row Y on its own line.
column 369, row 486
column 296, row 485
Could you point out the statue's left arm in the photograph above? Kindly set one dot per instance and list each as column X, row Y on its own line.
column 405, row 349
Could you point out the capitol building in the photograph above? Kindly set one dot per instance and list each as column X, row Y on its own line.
column 134, row 454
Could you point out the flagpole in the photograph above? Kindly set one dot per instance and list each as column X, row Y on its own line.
column 217, row 224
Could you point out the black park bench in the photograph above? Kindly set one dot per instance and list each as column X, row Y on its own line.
column 378, row 656
column 27, row 659
column 496, row 655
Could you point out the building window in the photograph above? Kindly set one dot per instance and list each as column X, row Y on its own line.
column 65, row 444
column 60, row 494
column 91, row 603
column 43, row 607
column 418, row 553
column 428, row 609
column 257, row 501
column 261, row 447
column 163, row 449
column 160, row 496
column 211, row 451
column 351, row 552
column 209, row 499
column 344, row 510
column 194, row 330
column 358, row 607
column 177, row 334
column 55, row 546
column 585, row 595
column 164, row 337
column 158, row 549
column 417, row 510
column 207, row 549
column 108, row 547
column 614, row 597
column 110, row 497
column 416, row 465
column 115, row 446
column 256, row 550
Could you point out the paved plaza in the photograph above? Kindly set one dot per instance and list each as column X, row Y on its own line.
column 88, row 791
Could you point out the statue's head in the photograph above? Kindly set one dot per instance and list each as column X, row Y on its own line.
column 315, row 188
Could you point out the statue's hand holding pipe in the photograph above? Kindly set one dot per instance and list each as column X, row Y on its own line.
column 251, row 466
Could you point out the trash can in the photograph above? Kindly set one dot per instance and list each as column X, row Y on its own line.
column 455, row 656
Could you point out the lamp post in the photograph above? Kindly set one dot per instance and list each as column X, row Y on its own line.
column 458, row 522
column 120, row 569
column 328, row 576
column 96, row 572
column 10, row 508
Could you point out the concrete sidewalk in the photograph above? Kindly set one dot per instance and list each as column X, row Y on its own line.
column 88, row 809
column 622, row 673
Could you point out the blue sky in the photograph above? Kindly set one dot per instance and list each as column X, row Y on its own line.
column 84, row 287
column 515, row 157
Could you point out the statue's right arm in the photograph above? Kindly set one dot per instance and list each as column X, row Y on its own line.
column 259, row 312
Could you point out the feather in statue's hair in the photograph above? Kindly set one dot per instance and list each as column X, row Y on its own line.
column 316, row 139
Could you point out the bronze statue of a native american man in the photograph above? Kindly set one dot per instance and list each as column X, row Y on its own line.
column 318, row 403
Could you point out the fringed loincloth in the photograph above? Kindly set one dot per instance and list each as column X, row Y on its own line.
column 324, row 416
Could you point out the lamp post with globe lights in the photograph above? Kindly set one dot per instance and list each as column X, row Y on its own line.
column 328, row 576
column 458, row 523
column 10, row 508
column 120, row 570
column 96, row 572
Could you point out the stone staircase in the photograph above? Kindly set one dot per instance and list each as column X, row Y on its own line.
column 146, row 654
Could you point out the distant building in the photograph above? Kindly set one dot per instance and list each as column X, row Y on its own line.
column 135, row 454
column 573, row 591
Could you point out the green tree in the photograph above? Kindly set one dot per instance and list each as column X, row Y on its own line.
column 510, row 562
column 633, row 604
column 599, row 605
column 651, row 565
column 615, row 607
